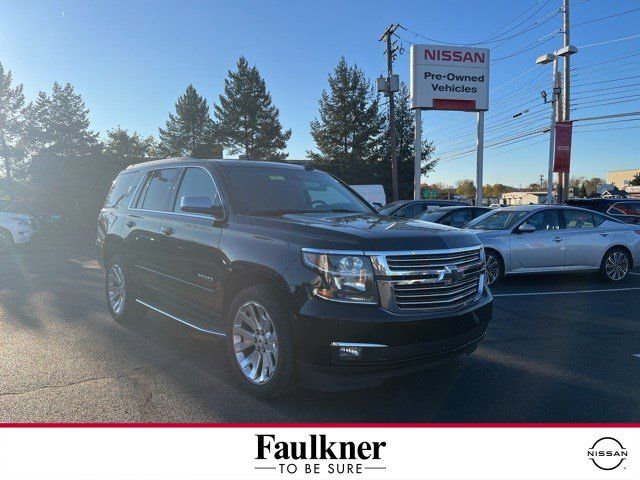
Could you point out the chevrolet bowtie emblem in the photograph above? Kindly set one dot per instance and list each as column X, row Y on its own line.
column 450, row 275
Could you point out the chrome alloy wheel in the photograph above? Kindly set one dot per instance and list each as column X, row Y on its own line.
column 492, row 267
column 116, row 288
column 255, row 342
column 617, row 266
column 4, row 242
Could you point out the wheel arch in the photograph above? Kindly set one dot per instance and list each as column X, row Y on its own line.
column 246, row 274
column 619, row 246
column 113, row 245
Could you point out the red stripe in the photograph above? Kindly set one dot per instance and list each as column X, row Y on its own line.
column 319, row 425
column 450, row 104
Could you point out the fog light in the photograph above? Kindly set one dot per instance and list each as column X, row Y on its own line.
column 349, row 352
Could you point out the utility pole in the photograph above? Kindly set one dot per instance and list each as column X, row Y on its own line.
column 566, row 91
column 391, row 50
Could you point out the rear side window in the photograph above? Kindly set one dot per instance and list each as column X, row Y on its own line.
column 197, row 183
column 625, row 208
column 121, row 190
column 578, row 219
column 156, row 191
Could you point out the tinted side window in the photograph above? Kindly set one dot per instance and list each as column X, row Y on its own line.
column 545, row 220
column 157, row 189
column 197, row 183
column 121, row 189
column 625, row 208
column 578, row 219
column 406, row 211
column 598, row 219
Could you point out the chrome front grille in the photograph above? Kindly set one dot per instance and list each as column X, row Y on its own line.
column 421, row 262
column 429, row 280
column 430, row 294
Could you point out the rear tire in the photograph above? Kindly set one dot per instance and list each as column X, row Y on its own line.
column 615, row 265
column 6, row 241
column 494, row 267
column 260, row 342
column 121, row 292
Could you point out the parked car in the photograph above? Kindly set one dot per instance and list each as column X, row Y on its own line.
column 625, row 209
column 412, row 208
column 302, row 278
column 453, row 216
column 547, row 238
column 16, row 228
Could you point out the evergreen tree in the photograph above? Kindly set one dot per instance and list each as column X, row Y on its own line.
column 12, row 122
column 405, row 132
column 635, row 181
column 190, row 131
column 248, row 122
column 58, row 125
column 348, row 130
column 127, row 148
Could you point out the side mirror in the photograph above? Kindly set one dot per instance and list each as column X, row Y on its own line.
column 526, row 228
column 202, row 205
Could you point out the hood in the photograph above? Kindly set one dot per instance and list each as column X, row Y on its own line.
column 481, row 234
column 367, row 232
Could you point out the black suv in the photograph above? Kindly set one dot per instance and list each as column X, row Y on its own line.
column 624, row 209
column 304, row 280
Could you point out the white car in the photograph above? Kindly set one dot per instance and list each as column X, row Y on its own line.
column 16, row 228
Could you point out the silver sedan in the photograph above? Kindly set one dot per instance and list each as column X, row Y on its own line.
column 551, row 238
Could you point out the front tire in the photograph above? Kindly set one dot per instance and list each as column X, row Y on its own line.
column 260, row 342
column 615, row 266
column 494, row 267
column 121, row 292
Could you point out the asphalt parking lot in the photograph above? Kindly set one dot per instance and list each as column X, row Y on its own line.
column 559, row 349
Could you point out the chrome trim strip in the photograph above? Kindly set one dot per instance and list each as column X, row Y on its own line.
column 423, row 252
column 178, row 319
column 332, row 252
column 364, row 345
column 174, row 278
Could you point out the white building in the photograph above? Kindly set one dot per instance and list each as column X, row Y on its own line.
column 523, row 198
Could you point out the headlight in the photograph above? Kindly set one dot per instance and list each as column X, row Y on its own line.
column 22, row 220
column 344, row 277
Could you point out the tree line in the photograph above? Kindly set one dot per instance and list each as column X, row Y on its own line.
column 48, row 150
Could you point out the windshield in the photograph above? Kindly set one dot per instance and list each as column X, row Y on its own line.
column 497, row 220
column 277, row 191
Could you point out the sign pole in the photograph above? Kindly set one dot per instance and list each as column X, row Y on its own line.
column 479, row 158
column 417, row 154
column 552, row 133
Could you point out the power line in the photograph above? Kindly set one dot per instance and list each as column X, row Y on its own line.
column 597, row 64
column 606, row 81
column 610, row 41
column 610, row 88
column 613, row 115
column 531, row 46
column 606, row 17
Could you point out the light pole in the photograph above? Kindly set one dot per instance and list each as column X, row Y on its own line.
column 555, row 86
column 565, row 52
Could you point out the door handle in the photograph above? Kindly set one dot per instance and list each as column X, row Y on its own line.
column 130, row 223
column 168, row 231
column 558, row 239
column 604, row 234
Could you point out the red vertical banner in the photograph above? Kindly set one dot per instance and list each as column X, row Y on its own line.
column 562, row 158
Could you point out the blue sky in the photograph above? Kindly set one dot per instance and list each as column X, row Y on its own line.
column 130, row 61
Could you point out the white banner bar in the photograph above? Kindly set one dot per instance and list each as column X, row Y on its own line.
column 314, row 452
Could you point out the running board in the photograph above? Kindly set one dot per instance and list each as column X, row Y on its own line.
column 178, row 319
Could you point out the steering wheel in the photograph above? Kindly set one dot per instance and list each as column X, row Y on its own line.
column 317, row 203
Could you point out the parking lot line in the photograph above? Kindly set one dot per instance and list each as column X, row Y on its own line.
column 569, row 292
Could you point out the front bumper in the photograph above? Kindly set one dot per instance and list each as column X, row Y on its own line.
column 410, row 342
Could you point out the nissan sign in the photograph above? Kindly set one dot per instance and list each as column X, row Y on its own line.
column 449, row 78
